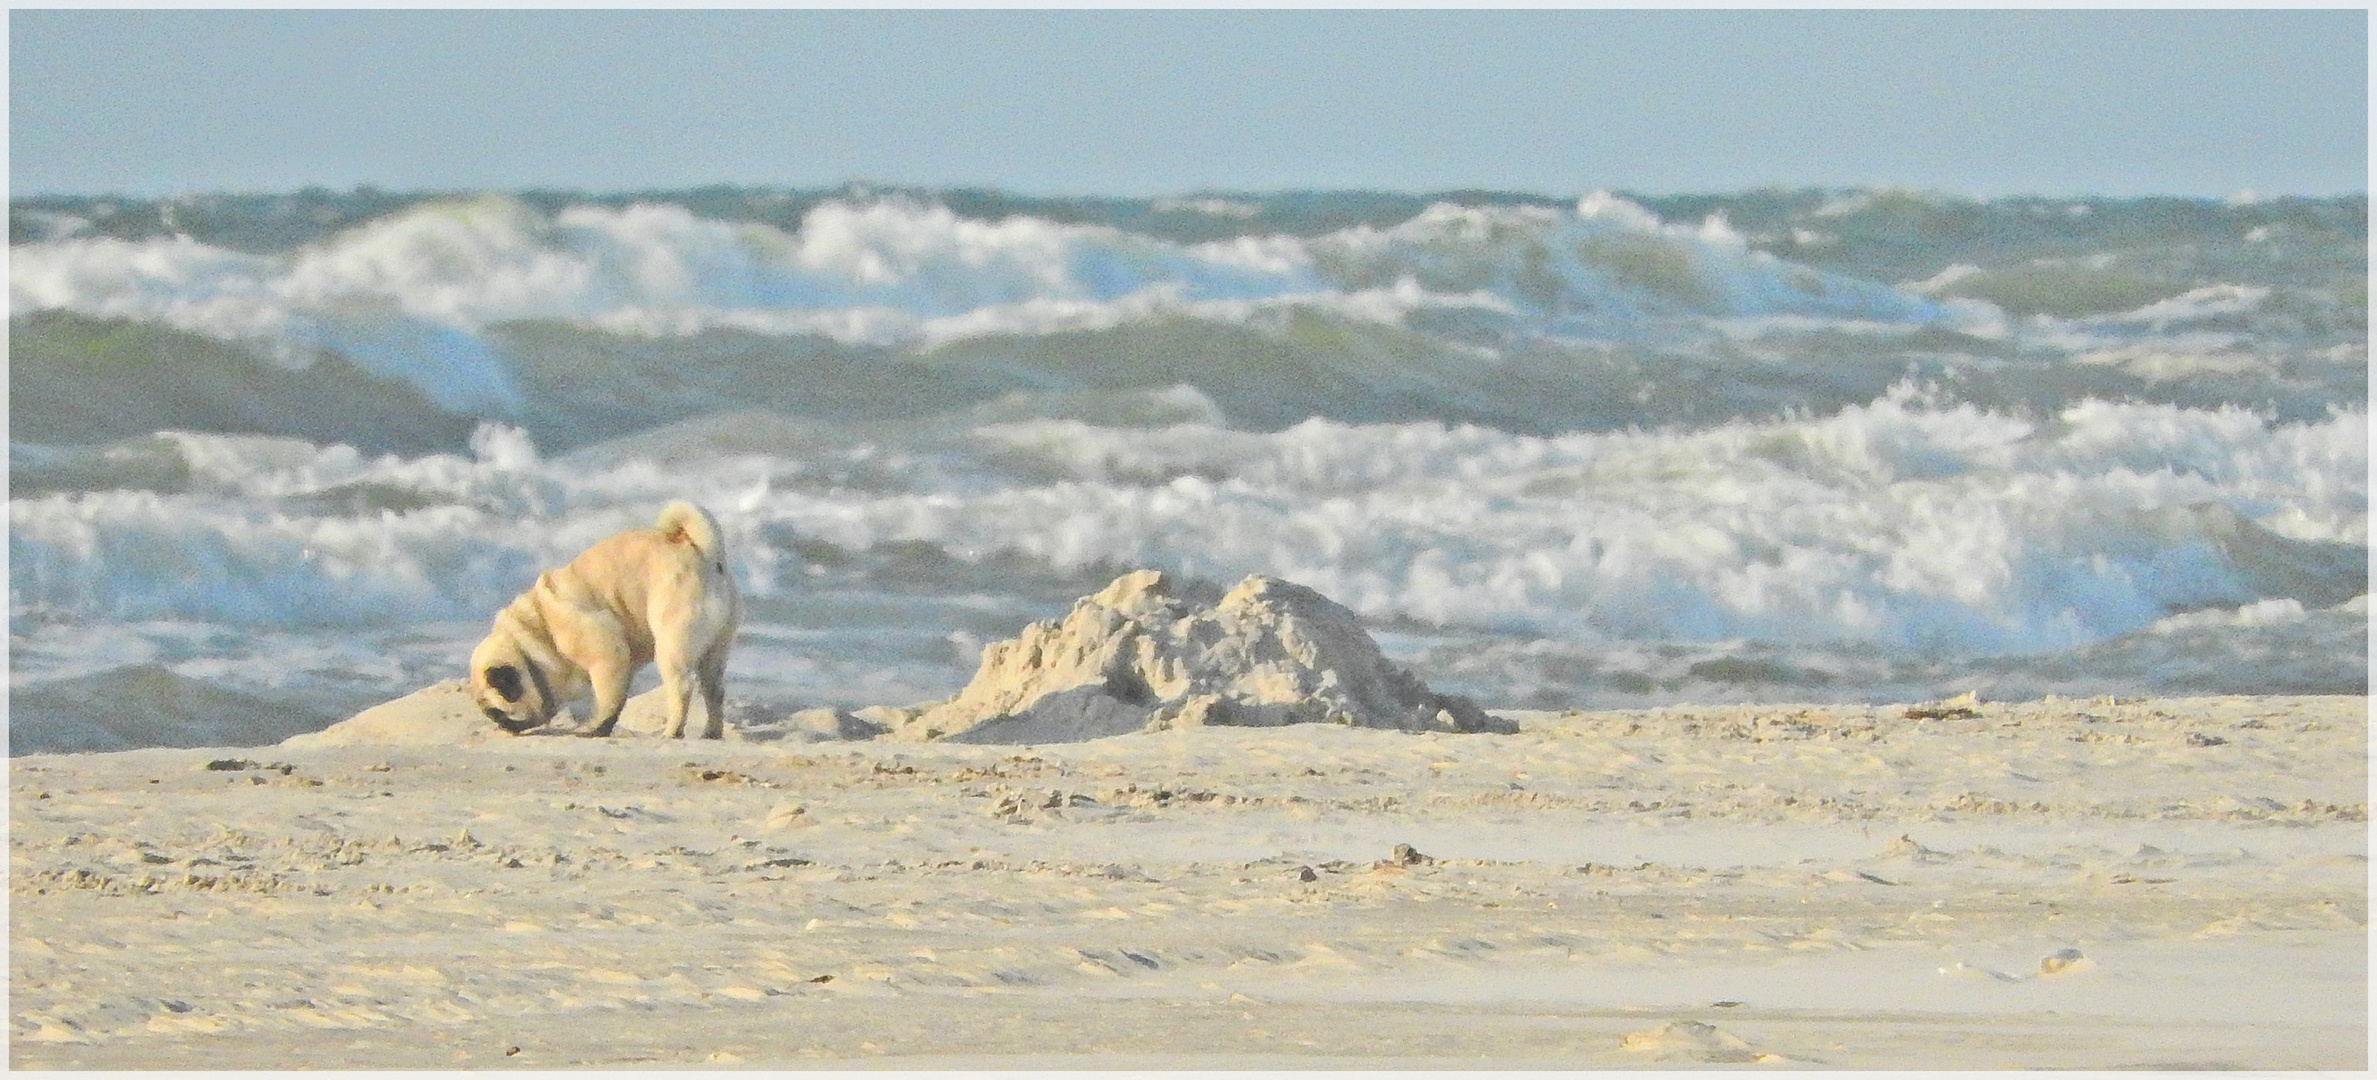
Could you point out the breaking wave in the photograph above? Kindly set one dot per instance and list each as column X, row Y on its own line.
column 1920, row 532
column 410, row 296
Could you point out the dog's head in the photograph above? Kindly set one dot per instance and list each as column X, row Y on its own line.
column 509, row 689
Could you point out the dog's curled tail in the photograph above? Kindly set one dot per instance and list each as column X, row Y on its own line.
column 691, row 524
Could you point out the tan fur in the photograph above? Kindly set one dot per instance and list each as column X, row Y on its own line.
column 659, row 595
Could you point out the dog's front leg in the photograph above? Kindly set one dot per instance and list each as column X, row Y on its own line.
column 610, row 698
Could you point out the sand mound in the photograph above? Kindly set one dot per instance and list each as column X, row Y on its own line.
column 1140, row 656
column 436, row 715
column 442, row 715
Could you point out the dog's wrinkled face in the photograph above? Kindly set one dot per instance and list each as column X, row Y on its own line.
column 506, row 695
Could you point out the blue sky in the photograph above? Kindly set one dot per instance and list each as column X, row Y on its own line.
column 1133, row 102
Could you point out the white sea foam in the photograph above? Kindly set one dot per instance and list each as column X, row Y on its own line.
column 177, row 281
column 657, row 269
column 1607, row 262
column 2266, row 613
column 2210, row 302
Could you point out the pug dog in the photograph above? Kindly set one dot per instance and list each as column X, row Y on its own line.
column 659, row 595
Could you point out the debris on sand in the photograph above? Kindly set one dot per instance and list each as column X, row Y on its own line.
column 1964, row 706
column 1692, row 1040
column 1139, row 656
column 2063, row 960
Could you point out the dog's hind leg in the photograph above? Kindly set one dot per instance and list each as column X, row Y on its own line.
column 713, row 672
column 676, row 676
column 679, row 698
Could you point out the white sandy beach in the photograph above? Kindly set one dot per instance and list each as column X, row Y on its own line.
column 2061, row 884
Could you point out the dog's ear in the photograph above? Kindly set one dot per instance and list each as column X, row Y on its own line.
column 506, row 681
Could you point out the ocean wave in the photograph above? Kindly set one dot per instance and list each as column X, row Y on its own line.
column 143, row 705
column 1602, row 451
column 1916, row 528
column 579, row 319
column 412, row 294
column 1609, row 262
